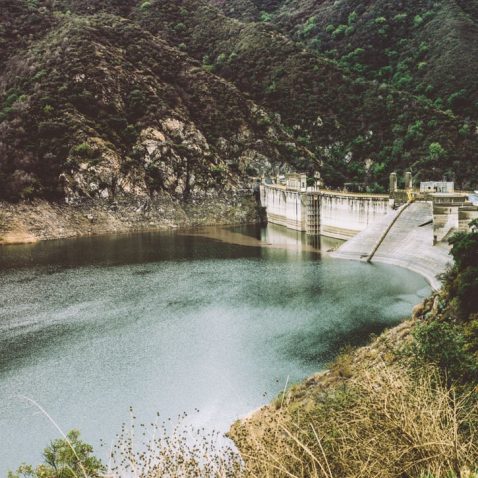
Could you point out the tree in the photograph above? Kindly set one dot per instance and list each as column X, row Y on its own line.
column 436, row 150
column 65, row 458
column 465, row 248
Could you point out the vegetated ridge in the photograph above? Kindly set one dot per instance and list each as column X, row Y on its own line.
column 104, row 98
column 98, row 106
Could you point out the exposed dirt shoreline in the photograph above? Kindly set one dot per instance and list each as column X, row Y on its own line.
column 29, row 222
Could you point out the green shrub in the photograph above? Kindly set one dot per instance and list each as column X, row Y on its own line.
column 444, row 345
column 221, row 58
column 415, row 130
column 208, row 68
column 467, row 291
column 64, row 458
column 145, row 5
column 316, row 43
column 428, row 15
column 455, row 99
column 353, row 17
column 39, row 75
column 400, row 17
column 309, row 26
column 33, row 4
column 464, row 130
column 417, row 21
column 402, row 80
column 272, row 87
column 464, row 249
column 179, row 27
column 330, row 28
column 137, row 103
column 436, row 150
column 423, row 48
column 84, row 150
column 339, row 31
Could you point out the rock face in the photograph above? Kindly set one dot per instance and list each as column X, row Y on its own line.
column 42, row 220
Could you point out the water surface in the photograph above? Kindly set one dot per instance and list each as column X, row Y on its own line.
column 171, row 322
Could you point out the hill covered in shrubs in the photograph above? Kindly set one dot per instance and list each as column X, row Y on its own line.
column 104, row 97
column 424, row 47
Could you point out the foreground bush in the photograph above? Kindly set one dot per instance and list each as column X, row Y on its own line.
column 67, row 457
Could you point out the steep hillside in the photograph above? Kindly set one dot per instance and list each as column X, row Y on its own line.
column 98, row 107
column 422, row 46
column 361, row 130
column 100, row 97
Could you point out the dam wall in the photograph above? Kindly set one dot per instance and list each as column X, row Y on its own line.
column 325, row 213
column 403, row 238
column 343, row 215
column 284, row 207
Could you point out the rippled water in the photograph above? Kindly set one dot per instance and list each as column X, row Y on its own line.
column 171, row 322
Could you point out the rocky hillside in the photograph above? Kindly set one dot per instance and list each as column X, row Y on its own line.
column 360, row 130
column 100, row 98
column 95, row 105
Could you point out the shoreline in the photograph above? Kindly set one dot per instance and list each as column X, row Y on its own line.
column 409, row 244
column 27, row 223
column 427, row 273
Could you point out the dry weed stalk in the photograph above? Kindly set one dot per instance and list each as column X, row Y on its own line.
column 157, row 451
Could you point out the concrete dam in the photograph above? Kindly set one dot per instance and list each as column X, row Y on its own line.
column 405, row 228
column 322, row 213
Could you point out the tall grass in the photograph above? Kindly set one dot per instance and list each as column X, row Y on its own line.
column 385, row 423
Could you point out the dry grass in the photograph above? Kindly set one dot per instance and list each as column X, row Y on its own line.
column 385, row 424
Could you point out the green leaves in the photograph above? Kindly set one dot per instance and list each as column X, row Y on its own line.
column 436, row 151
column 444, row 345
column 465, row 249
column 64, row 458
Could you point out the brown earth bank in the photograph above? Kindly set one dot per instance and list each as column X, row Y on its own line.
column 38, row 220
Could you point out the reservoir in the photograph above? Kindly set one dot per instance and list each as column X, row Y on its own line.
column 216, row 320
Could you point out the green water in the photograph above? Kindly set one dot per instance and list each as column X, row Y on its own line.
column 171, row 322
